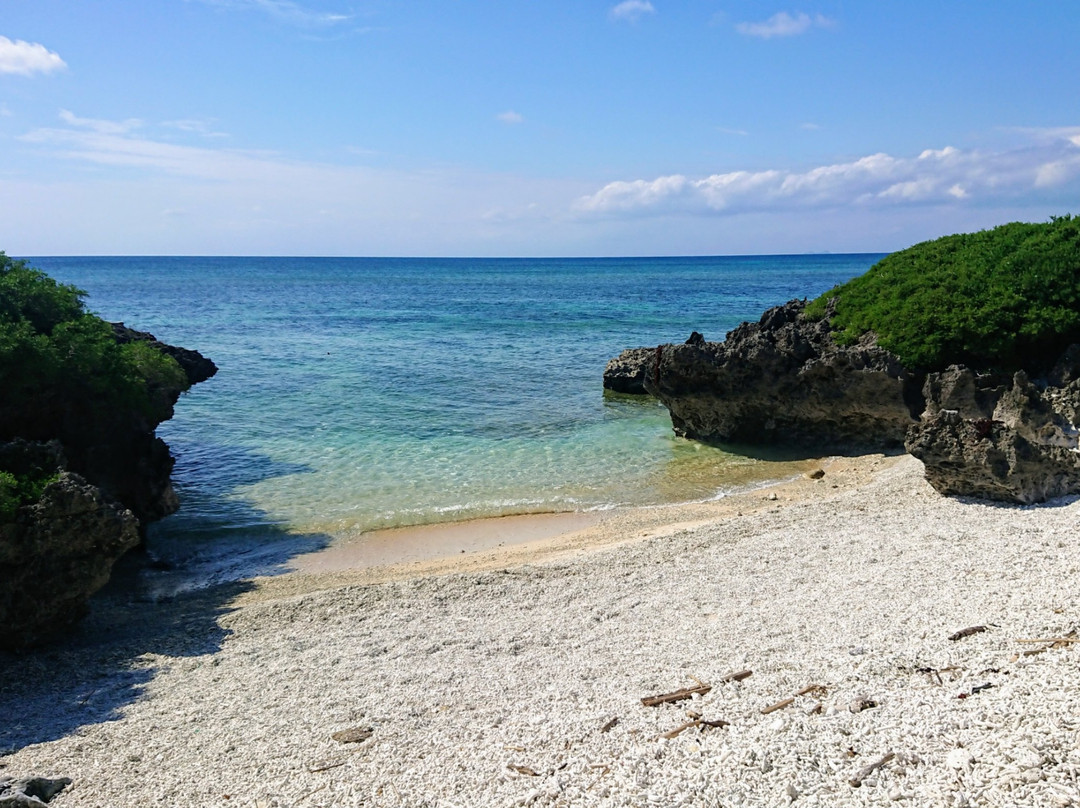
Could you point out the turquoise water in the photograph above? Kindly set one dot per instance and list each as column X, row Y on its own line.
column 363, row 393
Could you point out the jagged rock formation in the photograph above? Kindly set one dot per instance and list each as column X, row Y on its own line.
column 784, row 381
column 56, row 554
column 1001, row 437
column 30, row 792
column 112, row 477
column 626, row 372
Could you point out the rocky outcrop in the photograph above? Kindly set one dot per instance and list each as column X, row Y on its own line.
column 30, row 792
column 626, row 372
column 114, row 448
column 110, row 476
column 1001, row 437
column 783, row 381
column 57, row 553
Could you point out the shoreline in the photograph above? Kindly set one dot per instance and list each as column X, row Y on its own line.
column 397, row 554
column 514, row 675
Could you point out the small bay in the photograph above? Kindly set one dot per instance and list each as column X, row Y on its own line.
column 364, row 393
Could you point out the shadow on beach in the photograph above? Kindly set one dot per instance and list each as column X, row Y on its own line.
column 152, row 607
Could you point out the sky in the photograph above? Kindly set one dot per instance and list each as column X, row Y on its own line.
column 530, row 127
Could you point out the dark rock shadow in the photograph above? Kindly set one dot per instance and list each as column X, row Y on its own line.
column 152, row 606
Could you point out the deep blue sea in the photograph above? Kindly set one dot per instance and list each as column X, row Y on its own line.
column 362, row 393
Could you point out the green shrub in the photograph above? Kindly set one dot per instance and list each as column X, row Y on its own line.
column 21, row 490
column 54, row 355
column 1005, row 298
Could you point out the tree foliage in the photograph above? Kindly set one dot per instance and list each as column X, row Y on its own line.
column 1005, row 298
column 61, row 367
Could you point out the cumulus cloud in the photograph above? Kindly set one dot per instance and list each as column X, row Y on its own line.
column 27, row 58
column 631, row 10
column 510, row 117
column 783, row 24
column 947, row 175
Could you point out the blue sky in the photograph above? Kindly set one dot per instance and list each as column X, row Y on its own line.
column 529, row 127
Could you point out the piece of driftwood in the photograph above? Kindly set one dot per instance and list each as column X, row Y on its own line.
column 1052, row 640
column 324, row 765
column 967, row 632
column 866, row 771
column 778, row 706
column 678, row 695
column 736, row 676
column 610, row 724
column 811, row 689
column 700, row 723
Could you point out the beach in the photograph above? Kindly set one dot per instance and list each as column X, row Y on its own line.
column 901, row 647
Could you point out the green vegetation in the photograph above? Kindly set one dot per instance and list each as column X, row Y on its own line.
column 63, row 371
column 55, row 355
column 1005, row 298
column 20, row 490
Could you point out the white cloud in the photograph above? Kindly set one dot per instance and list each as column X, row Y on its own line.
column 810, row 127
column 946, row 176
column 102, row 126
column 26, row 58
column 284, row 10
column 195, row 126
column 631, row 10
column 730, row 131
column 105, row 192
column 510, row 117
column 783, row 24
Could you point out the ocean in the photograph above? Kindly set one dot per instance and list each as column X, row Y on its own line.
column 363, row 393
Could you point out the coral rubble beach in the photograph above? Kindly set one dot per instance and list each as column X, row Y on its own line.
column 515, row 675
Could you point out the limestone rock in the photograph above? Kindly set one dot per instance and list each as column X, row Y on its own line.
column 30, row 791
column 55, row 554
column 626, row 372
column 784, row 381
column 998, row 437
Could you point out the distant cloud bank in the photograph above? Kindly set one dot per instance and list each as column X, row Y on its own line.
column 783, row 24
column 27, row 58
column 1051, row 162
column 631, row 10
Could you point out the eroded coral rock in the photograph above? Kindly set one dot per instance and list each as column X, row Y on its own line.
column 783, row 381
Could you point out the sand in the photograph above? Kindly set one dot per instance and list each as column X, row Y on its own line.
column 513, row 675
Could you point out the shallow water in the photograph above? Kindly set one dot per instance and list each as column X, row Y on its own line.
column 357, row 394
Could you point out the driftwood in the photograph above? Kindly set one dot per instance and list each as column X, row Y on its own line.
column 736, row 676
column 967, row 632
column 324, row 765
column 678, row 695
column 700, row 723
column 866, row 771
column 1052, row 640
column 610, row 724
column 778, row 706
